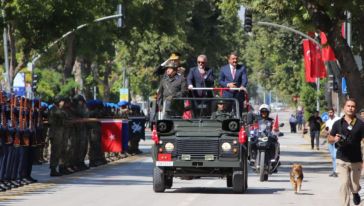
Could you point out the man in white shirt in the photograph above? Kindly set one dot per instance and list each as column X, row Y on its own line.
column 329, row 123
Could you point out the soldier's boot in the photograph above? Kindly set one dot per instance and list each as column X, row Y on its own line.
column 55, row 173
column 64, row 171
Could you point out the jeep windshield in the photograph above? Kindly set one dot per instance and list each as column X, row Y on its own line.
column 200, row 108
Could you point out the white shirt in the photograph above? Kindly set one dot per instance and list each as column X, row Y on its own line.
column 330, row 122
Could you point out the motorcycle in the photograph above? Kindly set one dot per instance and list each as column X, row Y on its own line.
column 264, row 150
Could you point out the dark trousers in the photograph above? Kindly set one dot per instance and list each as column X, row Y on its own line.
column 315, row 135
column 293, row 127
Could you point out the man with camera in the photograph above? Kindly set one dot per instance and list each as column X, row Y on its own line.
column 347, row 134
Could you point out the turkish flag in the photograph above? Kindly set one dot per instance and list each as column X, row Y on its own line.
column 111, row 131
column 327, row 52
column 314, row 65
column 308, row 61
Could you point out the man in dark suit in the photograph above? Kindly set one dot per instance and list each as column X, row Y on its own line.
column 234, row 75
column 201, row 76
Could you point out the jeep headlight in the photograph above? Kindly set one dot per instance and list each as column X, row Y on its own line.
column 226, row 147
column 169, row 147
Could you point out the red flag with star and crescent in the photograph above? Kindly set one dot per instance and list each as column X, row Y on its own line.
column 314, row 66
column 111, row 131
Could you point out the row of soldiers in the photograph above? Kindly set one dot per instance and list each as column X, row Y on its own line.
column 21, row 131
column 71, row 126
column 75, row 132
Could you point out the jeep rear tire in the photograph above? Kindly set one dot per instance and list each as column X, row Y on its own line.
column 158, row 180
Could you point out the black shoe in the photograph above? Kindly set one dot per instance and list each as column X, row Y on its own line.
column 21, row 182
column 16, row 183
column 64, row 171
column 356, row 198
column 2, row 189
column 5, row 186
column 32, row 179
column 8, row 185
column 54, row 173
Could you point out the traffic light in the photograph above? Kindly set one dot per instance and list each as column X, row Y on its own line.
column 34, row 82
column 331, row 81
column 121, row 20
column 333, row 85
column 248, row 20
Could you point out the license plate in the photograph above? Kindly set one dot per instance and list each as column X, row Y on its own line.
column 164, row 163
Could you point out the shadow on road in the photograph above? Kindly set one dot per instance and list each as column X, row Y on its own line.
column 223, row 191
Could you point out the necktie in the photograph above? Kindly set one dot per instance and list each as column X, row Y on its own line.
column 233, row 73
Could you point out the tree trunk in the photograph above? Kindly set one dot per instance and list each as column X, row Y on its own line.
column 77, row 73
column 348, row 67
column 106, row 82
column 69, row 57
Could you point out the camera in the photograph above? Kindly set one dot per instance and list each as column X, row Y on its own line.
column 344, row 140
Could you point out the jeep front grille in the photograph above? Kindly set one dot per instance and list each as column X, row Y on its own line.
column 197, row 148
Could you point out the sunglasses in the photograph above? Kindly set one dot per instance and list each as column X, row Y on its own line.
column 199, row 62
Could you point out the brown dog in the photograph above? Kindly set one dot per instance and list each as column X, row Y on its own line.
column 296, row 177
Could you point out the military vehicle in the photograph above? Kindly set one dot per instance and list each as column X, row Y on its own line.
column 196, row 138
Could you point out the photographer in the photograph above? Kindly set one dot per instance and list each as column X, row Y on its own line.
column 347, row 134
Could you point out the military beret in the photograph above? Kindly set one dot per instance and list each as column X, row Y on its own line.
column 122, row 103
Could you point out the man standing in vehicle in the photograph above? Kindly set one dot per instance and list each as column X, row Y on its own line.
column 201, row 76
column 172, row 85
column 234, row 75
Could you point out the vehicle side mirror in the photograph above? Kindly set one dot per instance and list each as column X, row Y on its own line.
column 280, row 134
column 281, row 125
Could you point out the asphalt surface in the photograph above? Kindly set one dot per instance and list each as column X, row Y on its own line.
column 129, row 181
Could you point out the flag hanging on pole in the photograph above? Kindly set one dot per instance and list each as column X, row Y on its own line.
column 314, row 66
column 327, row 52
column 307, row 61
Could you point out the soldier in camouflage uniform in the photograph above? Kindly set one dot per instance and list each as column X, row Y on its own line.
column 96, row 155
column 82, row 112
column 220, row 113
column 57, row 118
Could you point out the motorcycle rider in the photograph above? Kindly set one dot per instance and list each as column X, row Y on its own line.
column 264, row 119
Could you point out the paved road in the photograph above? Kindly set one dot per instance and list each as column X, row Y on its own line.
column 129, row 181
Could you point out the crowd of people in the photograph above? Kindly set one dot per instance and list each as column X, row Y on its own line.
column 66, row 133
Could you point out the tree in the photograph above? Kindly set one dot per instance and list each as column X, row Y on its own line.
column 326, row 16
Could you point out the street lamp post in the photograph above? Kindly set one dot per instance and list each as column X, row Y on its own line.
column 36, row 57
column 306, row 36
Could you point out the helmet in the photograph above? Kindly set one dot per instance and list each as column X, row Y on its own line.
column 264, row 108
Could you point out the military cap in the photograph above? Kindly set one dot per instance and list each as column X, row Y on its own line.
column 123, row 103
column 220, row 101
column 171, row 64
column 58, row 99
column 174, row 56
column 79, row 97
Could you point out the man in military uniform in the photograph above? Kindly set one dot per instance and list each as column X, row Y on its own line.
column 172, row 85
column 58, row 141
column 81, row 112
column 96, row 155
column 220, row 114
column 176, row 58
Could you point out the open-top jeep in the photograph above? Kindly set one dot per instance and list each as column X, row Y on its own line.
column 193, row 140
